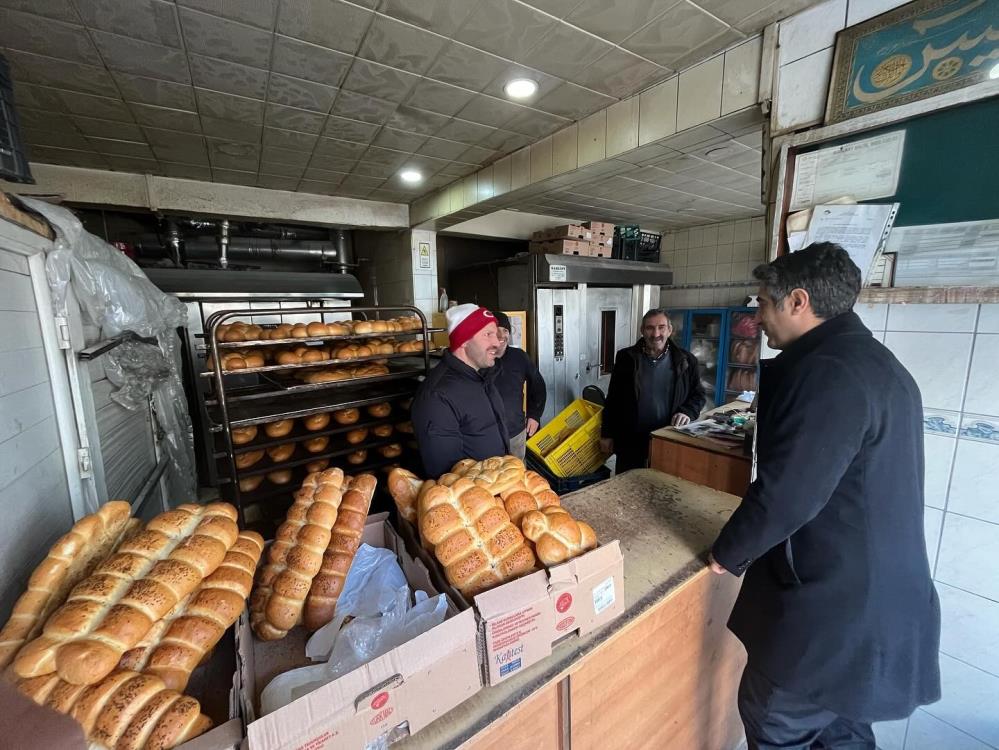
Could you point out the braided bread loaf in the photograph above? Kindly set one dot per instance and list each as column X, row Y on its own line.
column 124, row 711
column 557, row 536
column 71, row 559
column 296, row 555
column 404, row 486
column 320, row 604
column 175, row 647
column 111, row 611
column 473, row 537
column 497, row 475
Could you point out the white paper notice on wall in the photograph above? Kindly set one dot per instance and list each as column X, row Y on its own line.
column 864, row 170
column 861, row 230
column 557, row 272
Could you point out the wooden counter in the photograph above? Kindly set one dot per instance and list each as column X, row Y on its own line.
column 663, row 675
column 701, row 461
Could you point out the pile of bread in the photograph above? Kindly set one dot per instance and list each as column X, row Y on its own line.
column 239, row 331
column 117, row 617
column 489, row 522
column 301, row 354
column 341, row 373
column 312, row 551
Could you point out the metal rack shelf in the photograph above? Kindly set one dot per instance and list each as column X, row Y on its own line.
column 321, row 339
column 275, row 396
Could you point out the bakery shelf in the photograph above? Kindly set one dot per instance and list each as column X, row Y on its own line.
column 266, row 465
column 276, row 388
column 323, row 339
column 314, row 365
column 300, row 434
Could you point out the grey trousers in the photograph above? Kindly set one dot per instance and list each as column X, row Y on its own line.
column 518, row 444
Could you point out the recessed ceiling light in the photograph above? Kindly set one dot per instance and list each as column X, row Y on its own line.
column 994, row 73
column 411, row 176
column 521, row 88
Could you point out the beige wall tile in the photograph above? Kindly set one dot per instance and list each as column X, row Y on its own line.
column 622, row 126
column 564, row 150
column 456, row 197
column 657, row 112
column 469, row 190
column 521, row 173
column 741, row 80
column 699, row 98
column 484, row 183
column 501, row 175
column 593, row 138
column 541, row 159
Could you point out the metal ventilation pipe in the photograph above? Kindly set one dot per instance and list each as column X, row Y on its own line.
column 343, row 241
column 175, row 243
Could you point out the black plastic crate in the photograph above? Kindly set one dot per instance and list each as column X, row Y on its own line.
column 565, row 485
column 644, row 248
column 13, row 161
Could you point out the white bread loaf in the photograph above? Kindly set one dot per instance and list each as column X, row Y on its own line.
column 404, row 486
column 182, row 640
column 296, row 555
column 473, row 537
column 124, row 711
column 320, row 604
column 497, row 475
column 535, row 494
column 112, row 610
column 557, row 536
column 71, row 559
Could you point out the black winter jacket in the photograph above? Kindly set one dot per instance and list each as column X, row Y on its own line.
column 514, row 369
column 837, row 604
column 621, row 408
column 458, row 413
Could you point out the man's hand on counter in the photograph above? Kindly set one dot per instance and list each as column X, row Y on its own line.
column 532, row 427
column 715, row 565
column 607, row 446
column 679, row 420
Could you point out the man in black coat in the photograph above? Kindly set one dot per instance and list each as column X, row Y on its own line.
column 457, row 411
column 837, row 611
column 655, row 383
column 514, row 370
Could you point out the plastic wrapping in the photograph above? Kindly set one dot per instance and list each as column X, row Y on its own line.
column 382, row 618
column 118, row 297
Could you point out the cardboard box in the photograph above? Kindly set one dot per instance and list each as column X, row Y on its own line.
column 600, row 250
column 521, row 621
column 389, row 698
column 561, row 247
column 600, row 227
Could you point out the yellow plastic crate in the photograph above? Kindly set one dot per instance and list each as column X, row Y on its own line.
column 569, row 445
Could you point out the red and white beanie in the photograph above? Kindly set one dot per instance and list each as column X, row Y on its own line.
column 464, row 321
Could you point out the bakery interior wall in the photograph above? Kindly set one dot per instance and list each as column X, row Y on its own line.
column 398, row 268
column 953, row 353
column 464, row 269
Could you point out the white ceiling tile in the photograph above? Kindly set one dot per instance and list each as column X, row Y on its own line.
column 69, row 157
column 234, row 130
column 339, row 148
column 48, row 71
column 149, row 20
column 488, row 110
column 109, row 146
column 186, row 171
column 442, row 98
column 573, row 102
column 505, row 27
column 289, row 139
column 277, row 182
column 297, row 92
column 164, row 117
column 440, row 16
column 61, row 10
column 291, row 118
column 350, row 130
column 42, row 36
column 356, row 106
column 329, row 23
column 417, row 120
column 619, row 20
column 309, row 61
column 109, row 128
column 155, row 91
column 142, row 58
column 56, row 138
column 96, row 106
column 561, row 50
column 464, row 131
column 380, row 81
column 29, row 95
column 235, row 177
column 465, row 66
column 275, row 157
column 619, row 73
column 230, row 107
column 206, row 34
column 534, row 123
column 442, row 148
column 399, row 140
column 405, row 47
column 674, row 33
column 259, row 13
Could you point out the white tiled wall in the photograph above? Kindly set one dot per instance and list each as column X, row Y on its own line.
column 806, row 41
column 424, row 279
column 952, row 352
column 705, row 256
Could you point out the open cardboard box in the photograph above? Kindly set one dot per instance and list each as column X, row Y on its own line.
column 391, row 697
column 520, row 622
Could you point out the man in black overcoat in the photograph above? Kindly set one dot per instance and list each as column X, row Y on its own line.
column 837, row 611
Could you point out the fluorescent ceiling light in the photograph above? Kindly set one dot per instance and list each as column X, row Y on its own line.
column 411, row 176
column 994, row 73
column 520, row 88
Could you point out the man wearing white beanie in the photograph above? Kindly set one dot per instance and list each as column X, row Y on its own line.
column 457, row 412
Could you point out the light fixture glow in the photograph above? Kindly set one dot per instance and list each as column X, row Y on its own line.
column 411, row 176
column 520, row 88
column 994, row 73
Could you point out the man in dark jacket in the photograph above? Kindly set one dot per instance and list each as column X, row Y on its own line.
column 514, row 370
column 654, row 384
column 837, row 612
column 457, row 411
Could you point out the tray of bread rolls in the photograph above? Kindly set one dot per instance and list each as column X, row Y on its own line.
column 304, row 356
column 240, row 334
column 257, row 412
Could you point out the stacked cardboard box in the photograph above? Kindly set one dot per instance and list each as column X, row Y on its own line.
column 593, row 239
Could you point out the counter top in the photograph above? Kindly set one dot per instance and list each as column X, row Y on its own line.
column 668, row 433
column 665, row 526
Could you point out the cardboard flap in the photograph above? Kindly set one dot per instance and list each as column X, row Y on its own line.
column 517, row 594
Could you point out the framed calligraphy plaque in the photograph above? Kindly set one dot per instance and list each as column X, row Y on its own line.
column 916, row 51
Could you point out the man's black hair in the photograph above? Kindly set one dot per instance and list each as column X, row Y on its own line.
column 823, row 269
column 652, row 313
